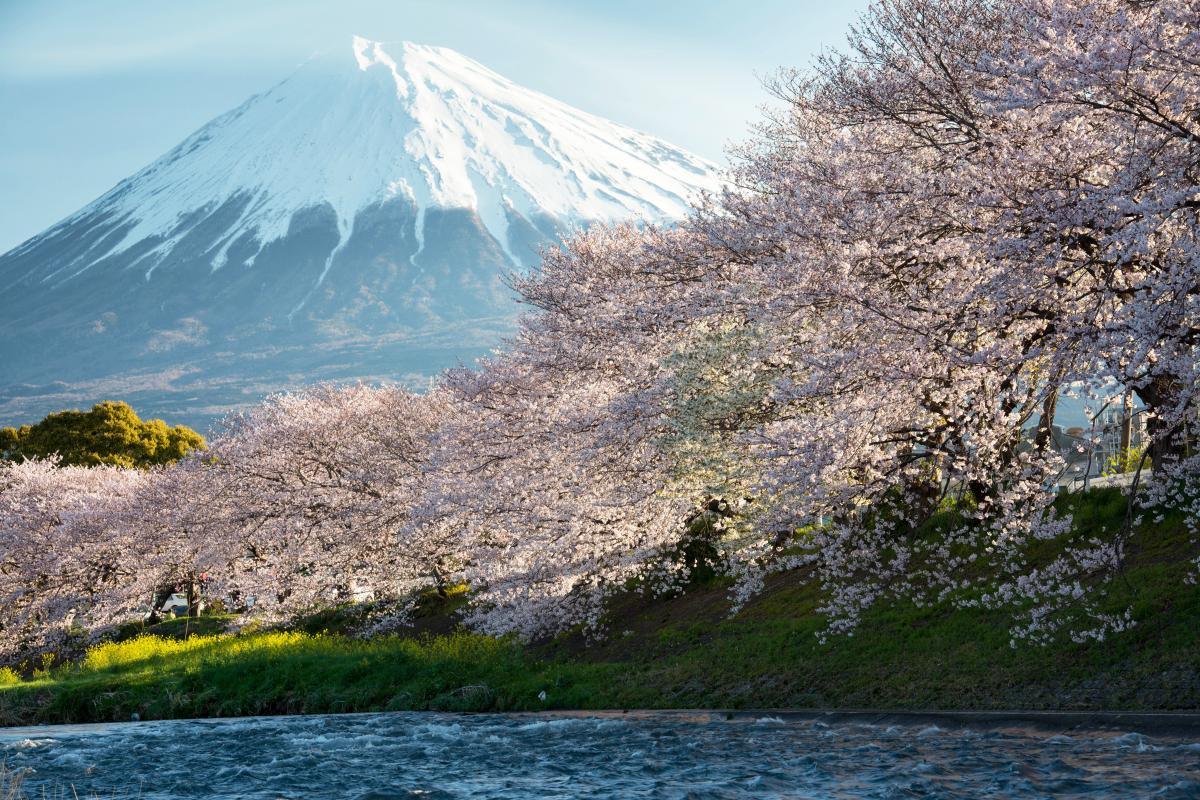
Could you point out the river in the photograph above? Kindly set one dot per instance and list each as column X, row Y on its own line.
column 638, row 755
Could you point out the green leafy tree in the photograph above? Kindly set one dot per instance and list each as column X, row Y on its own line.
column 1127, row 460
column 111, row 433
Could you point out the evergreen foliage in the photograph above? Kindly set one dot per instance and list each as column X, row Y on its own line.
column 111, row 433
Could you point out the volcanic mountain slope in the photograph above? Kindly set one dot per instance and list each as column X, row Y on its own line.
column 354, row 221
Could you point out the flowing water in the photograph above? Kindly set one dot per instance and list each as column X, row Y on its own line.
column 626, row 756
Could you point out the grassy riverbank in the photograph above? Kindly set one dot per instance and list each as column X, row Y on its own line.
column 680, row 652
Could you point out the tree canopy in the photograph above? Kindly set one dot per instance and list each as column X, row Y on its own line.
column 111, row 433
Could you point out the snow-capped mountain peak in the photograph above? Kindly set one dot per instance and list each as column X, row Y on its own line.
column 401, row 119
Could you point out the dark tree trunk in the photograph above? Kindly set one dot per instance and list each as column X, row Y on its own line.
column 193, row 597
column 1166, row 442
column 1045, row 426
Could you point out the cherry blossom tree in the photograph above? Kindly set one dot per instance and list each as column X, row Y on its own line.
column 306, row 498
column 548, row 467
column 300, row 504
column 940, row 230
column 69, row 563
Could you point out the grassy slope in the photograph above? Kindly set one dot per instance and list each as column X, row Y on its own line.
column 681, row 652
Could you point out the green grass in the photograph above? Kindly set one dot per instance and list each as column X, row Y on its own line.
column 277, row 672
column 684, row 651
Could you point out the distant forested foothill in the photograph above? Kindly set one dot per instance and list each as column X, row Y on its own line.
column 110, row 433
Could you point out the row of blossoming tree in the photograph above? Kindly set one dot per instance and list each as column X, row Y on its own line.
column 977, row 206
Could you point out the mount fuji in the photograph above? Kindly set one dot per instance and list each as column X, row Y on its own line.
column 355, row 221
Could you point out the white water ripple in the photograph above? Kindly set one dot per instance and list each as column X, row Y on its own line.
column 639, row 755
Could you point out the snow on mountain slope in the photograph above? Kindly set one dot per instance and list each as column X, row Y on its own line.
column 354, row 128
column 355, row 221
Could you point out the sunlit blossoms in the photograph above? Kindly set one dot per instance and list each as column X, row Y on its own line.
column 71, row 558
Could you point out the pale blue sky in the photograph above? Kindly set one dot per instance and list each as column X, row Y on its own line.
column 91, row 91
